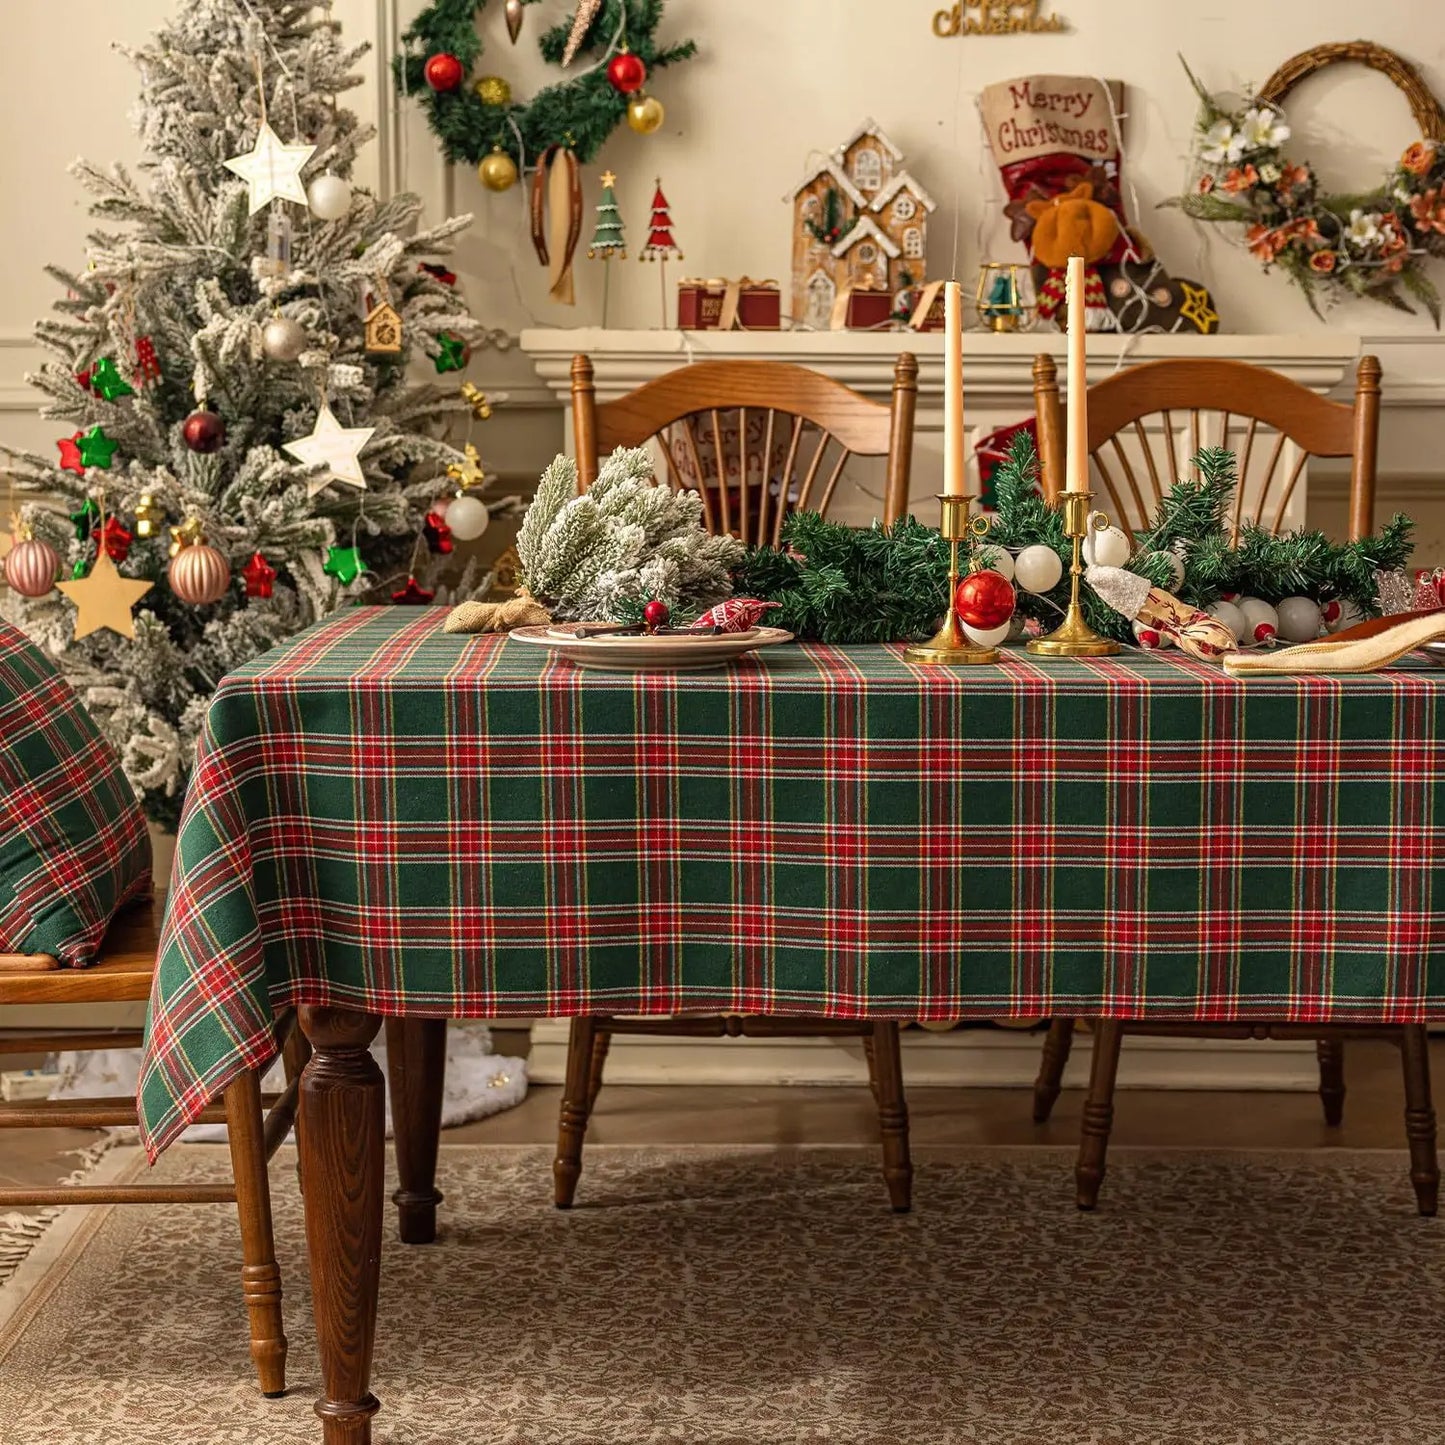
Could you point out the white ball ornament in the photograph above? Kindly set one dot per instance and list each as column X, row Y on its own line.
column 283, row 339
column 988, row 636
column 1261, row 621
column 1149, row 638
column 1038, row 568
column 1232, row 618
column 1107, row 548
column 329, row 197
column 468, row 518
column 1340, row 614
column 1176, row 568
column 995, row 559
column 1299, row 619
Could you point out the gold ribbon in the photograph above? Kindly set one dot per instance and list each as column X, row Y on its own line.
column 556, row 213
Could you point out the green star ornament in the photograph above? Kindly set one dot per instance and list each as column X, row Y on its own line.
column 451, row 354
column 106, row 379
column 345, row 564
column 97, row 449
column 85, row 519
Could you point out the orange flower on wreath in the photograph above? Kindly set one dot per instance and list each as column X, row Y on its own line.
column 1293, row 178
column 1419, row 157
column 1323, row 261
column 1206, row 184
column 1266, row 242
column 1429, row 211
column 1241, row 180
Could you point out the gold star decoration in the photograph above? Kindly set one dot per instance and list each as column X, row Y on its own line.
column 104, row 599
column 1197, row 309
column 271, row 169
column 608, row 179
column 469, row 473
column 335, row 447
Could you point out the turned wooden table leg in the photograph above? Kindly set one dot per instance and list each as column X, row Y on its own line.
column 342, row 1159
column 1057, row 1045
column 1420, row 1118
column 416, row 1059
column 260, row 1276
column 576, row 1110
column 892, row 1115
column 1098, row 1111
column 1331, row 1056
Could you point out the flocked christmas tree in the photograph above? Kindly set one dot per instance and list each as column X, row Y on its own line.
column 232, row 363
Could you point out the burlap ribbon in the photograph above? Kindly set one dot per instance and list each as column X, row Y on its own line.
column 521, row 611
column 557, row 219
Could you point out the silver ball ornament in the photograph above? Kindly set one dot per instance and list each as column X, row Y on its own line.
column 468, row 518
column 283, row 339
column 1232, row 618
column 329, row 197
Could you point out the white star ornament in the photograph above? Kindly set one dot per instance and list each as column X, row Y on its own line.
column 272, row 169
column 335, row 447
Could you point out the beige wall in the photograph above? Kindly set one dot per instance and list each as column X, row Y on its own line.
column 777, row 79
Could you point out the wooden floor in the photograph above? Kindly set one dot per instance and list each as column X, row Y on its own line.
column 1374, row 1117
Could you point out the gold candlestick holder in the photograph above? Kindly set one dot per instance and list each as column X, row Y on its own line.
column 1074, row 637
column 950, row 646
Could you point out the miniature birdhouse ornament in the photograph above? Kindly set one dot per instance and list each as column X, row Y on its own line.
column 383, row 330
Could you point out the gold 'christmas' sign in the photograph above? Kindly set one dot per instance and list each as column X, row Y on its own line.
column 996, row 17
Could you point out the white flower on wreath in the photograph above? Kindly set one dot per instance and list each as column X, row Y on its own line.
column 1263, row 129
column 1363, row 230
column 1403, row 192
column 1222, row 145
column 1270, row 173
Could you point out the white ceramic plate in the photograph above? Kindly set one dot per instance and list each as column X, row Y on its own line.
column 643, row 654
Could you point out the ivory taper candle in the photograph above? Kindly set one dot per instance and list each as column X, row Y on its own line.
column 954, row 466
column 1076, row 469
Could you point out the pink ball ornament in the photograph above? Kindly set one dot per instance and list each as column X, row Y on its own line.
column 199, row 575
column 31, row 567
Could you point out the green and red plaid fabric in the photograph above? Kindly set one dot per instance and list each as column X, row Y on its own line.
column 389, row 818
column 74, row 846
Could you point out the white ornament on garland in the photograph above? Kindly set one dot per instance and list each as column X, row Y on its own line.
column 1108, row 547
column 1261, row 621
column 1299, row 619
column 272, row 169
column 1038, row 568
column 1340, row 613
column 334, row 447
column 988, row 636
column 994, row 559
column 1231, row 617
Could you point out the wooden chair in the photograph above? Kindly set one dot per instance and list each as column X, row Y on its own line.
column 814, row 413
column 1147, row 421
column 684, row 411
column 122, row 974
column 1144, row 425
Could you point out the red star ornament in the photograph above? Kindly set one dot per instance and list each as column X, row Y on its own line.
column 70, row 454
column 412, row 595
column 116, row 539
column 260, row 576
column 438, row 534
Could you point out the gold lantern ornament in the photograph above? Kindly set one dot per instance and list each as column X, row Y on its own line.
column 199, row 574
column 493, row 90
column 1005, row 299
column 645, row 114
column 498, row 171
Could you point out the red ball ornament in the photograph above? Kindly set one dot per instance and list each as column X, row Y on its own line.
column 31, row 567
column 444, row 72
column 655, row 615
column 204, row 431
column 984, row 600
column 199, row 575
column 626, row 72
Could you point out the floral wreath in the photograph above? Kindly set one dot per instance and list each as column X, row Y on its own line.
column 1373, row 245
column 472, row 120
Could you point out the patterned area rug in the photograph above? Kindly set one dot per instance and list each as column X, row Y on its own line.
column 754, row 1295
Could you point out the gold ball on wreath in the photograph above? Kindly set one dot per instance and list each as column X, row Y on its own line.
column 493, row 90
column 645, row 114
column 498, row 171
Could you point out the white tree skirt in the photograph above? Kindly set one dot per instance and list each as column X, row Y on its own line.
column 478, row 1082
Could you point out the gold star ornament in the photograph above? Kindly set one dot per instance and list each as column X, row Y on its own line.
column 104, row 599
column 272, row 169
column 335, row 447
column 1198, row 309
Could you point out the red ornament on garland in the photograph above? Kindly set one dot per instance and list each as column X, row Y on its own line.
column 116, row 539
column 412, row 595
column 985, row 600
column 204, row 432
column 655, row 615
column 444, row 72
column 438, row 534
column 70, row 454
column 260, row 576
column 626, row 72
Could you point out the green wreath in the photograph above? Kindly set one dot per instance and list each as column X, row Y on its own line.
column 581, row 112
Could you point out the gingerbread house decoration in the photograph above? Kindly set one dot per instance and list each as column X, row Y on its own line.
column 859, row 220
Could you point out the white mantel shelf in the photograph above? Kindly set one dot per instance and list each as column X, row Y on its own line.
column 997, row 369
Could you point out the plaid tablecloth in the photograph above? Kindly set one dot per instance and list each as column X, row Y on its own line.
column 389, row 818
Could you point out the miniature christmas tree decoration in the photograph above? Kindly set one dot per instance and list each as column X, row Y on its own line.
column 272, row 169
column 660, row 243
column 607, row 239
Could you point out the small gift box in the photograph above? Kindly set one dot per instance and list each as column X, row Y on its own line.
column 722, row 305
column 927, row 310
column 858, row 308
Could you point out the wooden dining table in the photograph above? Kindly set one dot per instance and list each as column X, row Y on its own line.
column 389, row 822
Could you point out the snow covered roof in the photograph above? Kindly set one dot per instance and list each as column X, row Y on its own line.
column 868, row 227
column 869, row 127
column 897, row 184
column 832, row 168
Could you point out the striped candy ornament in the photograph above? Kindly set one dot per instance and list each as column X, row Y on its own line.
column 31, row 566
column 737, row 614
column 199, row 574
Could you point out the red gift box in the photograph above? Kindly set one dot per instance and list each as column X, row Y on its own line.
column 724, row 305
column 868, row 310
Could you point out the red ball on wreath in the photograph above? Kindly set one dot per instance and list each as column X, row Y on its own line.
column 443, row 72
column 204, row 431
column 655, row 615
column 627, row 72
column 984, row 600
